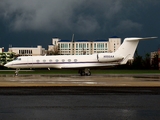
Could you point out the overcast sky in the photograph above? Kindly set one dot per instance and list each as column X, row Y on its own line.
column 36, row 22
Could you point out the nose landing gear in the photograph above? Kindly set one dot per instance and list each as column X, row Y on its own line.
column 85, row 72
column 16, row 72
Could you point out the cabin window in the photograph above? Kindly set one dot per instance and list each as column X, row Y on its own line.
column 44, row 60
column 75, row 60
column 38, row 61
column 50, row 60
column 57, row 60
column 63, row 60
column 69, row 60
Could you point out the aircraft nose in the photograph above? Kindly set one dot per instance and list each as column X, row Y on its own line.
column 7, row 65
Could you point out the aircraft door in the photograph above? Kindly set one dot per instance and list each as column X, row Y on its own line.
column 30, row 62
column 97, row 57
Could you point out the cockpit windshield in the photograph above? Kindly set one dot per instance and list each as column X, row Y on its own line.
column 18, row 58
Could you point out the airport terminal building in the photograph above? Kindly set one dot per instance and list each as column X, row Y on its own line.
column 71, row 47
column 28, row 51
column 1, row 49
column 84, row 47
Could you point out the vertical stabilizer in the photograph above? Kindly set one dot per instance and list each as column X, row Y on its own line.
column 128, row 47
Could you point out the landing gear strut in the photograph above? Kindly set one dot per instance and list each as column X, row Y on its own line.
column 16, row 72
column 84, row 72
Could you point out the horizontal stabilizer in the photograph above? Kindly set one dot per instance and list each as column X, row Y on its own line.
column 134, row 39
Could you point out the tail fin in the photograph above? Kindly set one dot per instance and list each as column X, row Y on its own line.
column 128, row 47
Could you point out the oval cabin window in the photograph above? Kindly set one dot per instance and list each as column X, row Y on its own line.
column 63, row 60
column 75, row 60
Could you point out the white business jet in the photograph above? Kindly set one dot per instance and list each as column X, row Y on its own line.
column 83, row 62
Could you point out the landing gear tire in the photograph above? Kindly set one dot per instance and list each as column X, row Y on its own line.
column 82, row 73
column 88, row 74
column 85, row 72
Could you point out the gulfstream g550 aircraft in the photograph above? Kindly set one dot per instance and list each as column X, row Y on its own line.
column 83, row 62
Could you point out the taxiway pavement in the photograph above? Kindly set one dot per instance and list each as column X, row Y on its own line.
column 109, row 80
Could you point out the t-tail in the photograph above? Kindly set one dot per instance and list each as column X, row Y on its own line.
column 128, row 47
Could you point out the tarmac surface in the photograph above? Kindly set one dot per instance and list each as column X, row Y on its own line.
column 109, row 80
column 74, row 97
column 75, row 84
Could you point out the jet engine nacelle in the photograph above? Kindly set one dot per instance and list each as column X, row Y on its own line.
column 108, row 57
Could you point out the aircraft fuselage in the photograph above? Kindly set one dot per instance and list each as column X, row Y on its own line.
column 65, row 61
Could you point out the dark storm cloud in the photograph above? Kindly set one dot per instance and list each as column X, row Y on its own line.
column 128, row 26
column 53, row 15
column 83, row 16
column 39, row 15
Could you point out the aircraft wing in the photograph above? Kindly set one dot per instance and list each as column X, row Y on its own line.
column 89, row 65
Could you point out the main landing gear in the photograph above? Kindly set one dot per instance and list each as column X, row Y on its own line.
column 85, row 72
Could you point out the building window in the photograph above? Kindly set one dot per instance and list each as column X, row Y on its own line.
column 22, row 51
column 76, row 45
column 106, row 45
column 95, row 47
